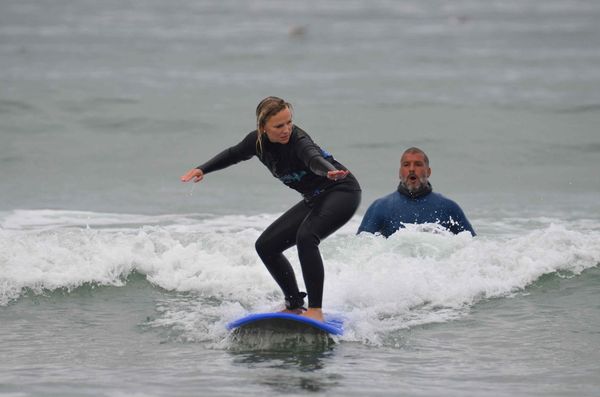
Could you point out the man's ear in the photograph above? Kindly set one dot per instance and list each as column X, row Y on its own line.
column 428, row 172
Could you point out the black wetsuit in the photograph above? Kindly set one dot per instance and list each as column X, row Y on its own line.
column 327, row 205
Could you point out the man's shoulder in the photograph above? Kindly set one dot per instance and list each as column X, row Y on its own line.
column 388, row 198
column 443, row 200
column 386, row 204
column 439, row 197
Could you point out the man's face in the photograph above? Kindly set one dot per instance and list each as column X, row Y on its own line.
column 414, row 171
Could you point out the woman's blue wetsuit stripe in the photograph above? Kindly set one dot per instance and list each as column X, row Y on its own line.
column 327, row 205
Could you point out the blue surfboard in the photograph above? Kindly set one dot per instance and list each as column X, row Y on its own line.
column 332, row 325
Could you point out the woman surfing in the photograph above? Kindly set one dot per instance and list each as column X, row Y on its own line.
column 331, row 195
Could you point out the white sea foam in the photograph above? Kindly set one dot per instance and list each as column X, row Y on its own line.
column 419, row 275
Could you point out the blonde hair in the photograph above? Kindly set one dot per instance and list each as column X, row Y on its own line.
column 266, row 109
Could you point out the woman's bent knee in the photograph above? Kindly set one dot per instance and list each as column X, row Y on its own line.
column 261, row 247
column 307, row 238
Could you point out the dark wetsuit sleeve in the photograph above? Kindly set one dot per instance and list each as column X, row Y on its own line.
column 312, row 157
column 320, row 166
column 233, row 155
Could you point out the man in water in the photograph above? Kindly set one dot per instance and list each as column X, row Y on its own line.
column 413, row 202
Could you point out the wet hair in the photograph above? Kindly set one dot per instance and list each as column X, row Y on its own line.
column 416, row 150
column 266, row 109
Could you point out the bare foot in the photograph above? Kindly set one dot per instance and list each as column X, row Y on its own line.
column 314, row 313
column 293, row 311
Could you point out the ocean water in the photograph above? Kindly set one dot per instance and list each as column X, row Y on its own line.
column 118, row 280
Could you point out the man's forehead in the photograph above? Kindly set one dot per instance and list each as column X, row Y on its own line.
column 412, row 157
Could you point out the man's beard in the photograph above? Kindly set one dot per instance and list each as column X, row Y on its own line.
column 416, row 188
column 423, row 189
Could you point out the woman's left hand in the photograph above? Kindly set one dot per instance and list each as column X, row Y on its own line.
column 337, row 174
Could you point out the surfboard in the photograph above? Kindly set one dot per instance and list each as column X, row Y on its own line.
column 288, row 322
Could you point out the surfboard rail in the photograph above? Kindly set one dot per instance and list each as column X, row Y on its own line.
column 331, row 325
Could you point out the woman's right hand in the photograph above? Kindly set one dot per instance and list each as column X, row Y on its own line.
column 337, row 174
column 195, row 173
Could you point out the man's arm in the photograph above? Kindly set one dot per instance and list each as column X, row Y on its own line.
column 459, row 222
column 372, row 221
